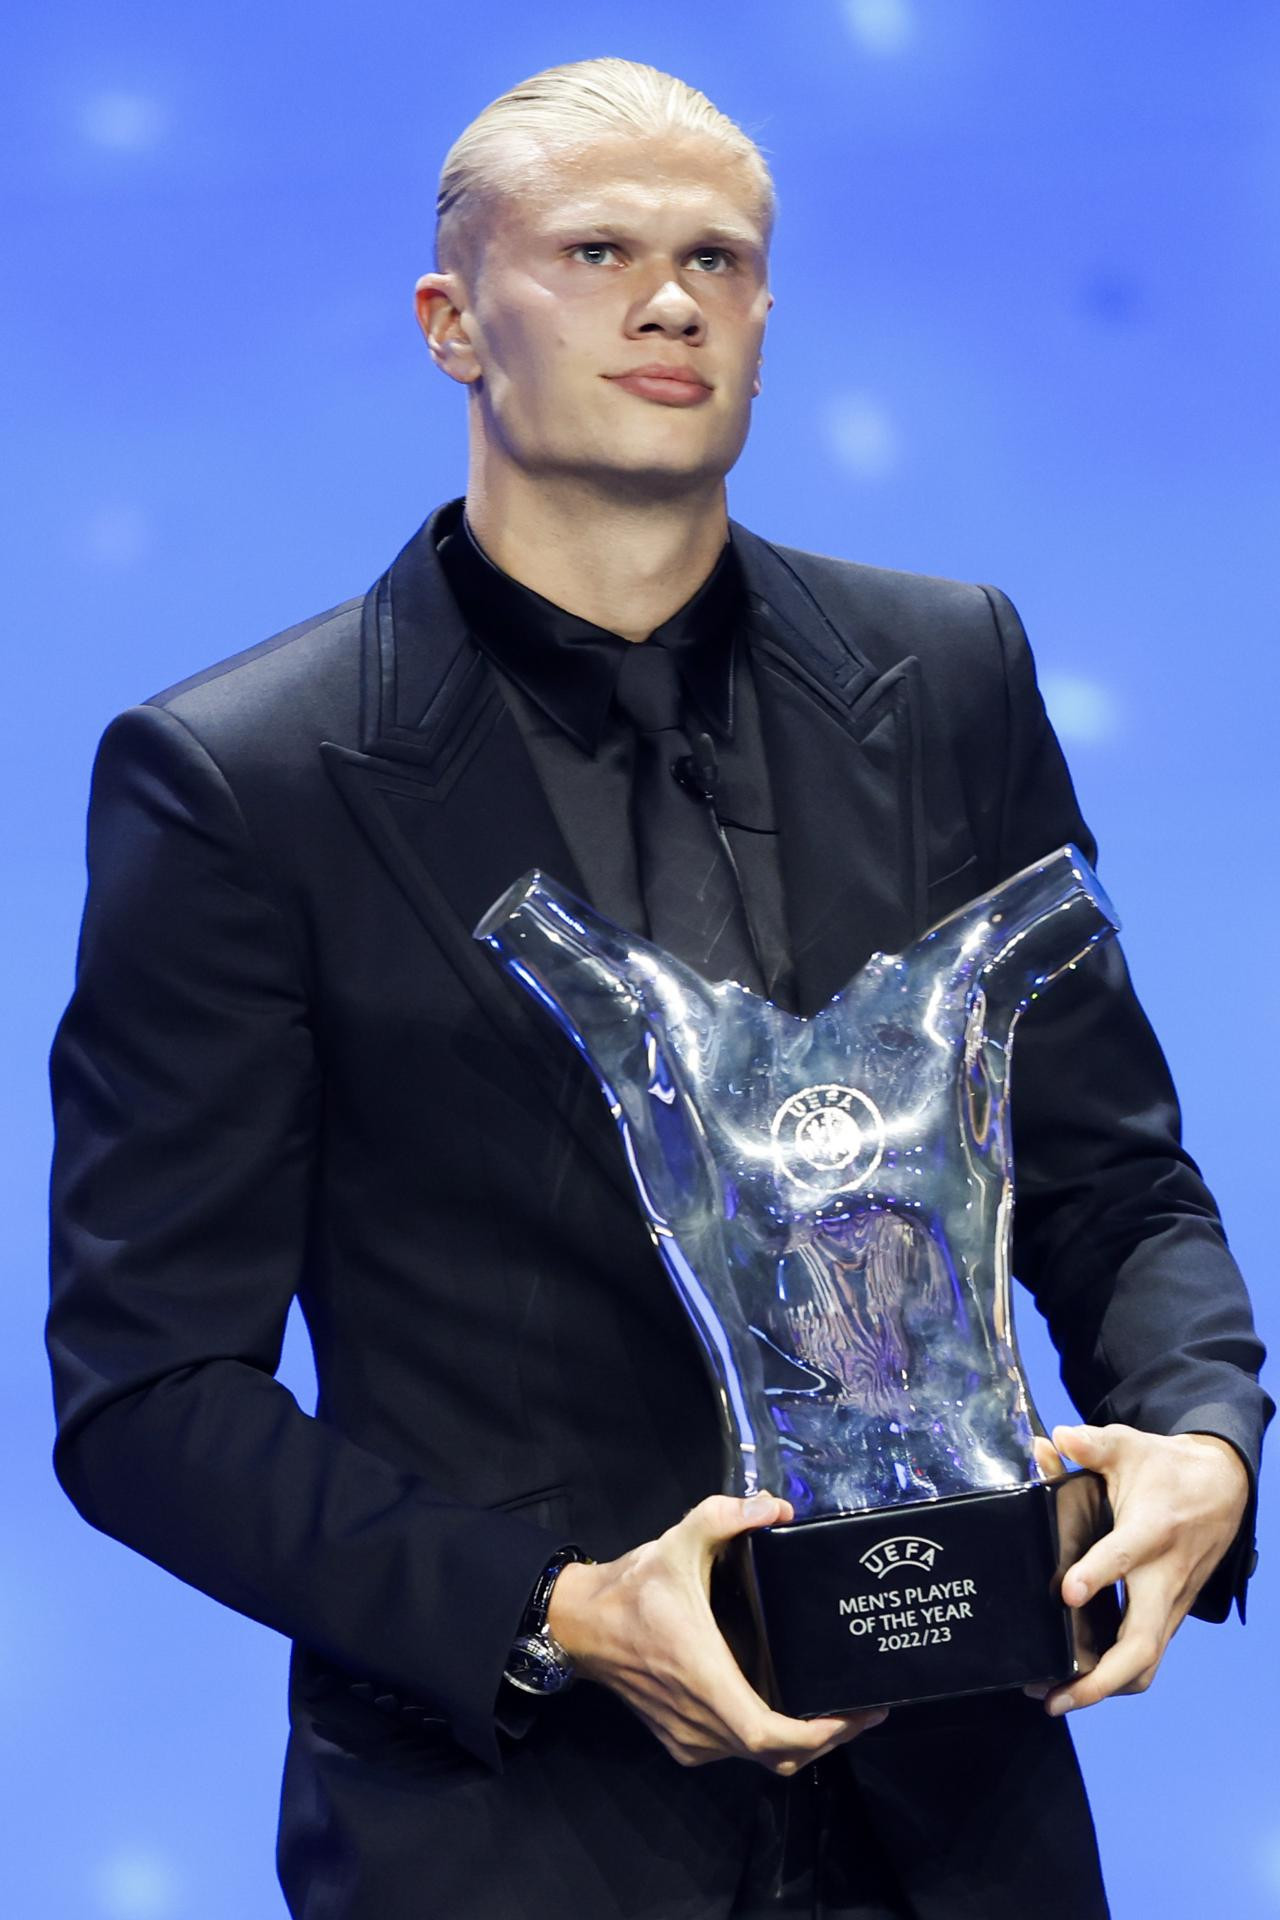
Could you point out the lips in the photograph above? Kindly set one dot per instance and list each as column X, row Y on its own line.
column 669, row 386
column 661, row 370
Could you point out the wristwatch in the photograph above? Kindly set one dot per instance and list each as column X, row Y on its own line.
column 537, row 1662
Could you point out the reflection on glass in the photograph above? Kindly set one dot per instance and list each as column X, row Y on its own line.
column 832, row 1197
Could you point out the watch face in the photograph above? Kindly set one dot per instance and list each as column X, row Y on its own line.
column 538, row 1665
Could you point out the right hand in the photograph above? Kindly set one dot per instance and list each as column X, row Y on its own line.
column 642, row 1625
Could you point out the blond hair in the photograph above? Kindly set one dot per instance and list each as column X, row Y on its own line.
column 560, row 112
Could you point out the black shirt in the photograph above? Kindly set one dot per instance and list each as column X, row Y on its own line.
column 557, row 673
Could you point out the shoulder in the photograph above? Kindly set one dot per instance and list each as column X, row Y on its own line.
column 892, row 588
column 304, row 680
column 244, row 730
column 889, row 613
column 965, row 639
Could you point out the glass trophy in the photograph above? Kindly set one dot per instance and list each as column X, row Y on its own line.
column 832, row 1199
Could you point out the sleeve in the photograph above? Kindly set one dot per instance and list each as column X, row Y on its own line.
column 187, row 1100
column 1115, row 1232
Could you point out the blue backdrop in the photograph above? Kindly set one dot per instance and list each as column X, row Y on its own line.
column 1026, row 325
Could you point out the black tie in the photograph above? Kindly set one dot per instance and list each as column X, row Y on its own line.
column 691, row 892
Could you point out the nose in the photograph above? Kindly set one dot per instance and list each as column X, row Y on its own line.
column 668, row 308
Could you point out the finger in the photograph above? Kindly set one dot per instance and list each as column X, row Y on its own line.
column 784, row 1731
column 785, row 1743
column 746, row 1722
column 1096, row 1447
column 702, row 1695
column 1132, row 1544
column 855, row 1725
column 790, row 1759
column 790, row 1762
column 688, row 1747
column 722, row 1517
column 1130, row 1665
column 693, row 1746
column 1048, row 1459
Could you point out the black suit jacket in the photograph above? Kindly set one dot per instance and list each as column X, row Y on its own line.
column 287, row 1068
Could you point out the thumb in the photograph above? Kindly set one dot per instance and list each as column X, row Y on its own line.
column 1085, row 1445
column 1048, row 1459
column 722, row 1516
column 764, row 1509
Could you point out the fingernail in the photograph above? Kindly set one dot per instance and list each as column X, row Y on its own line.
column 1060, row 1706
column 1036, row 1693
column 759, row 1505
column 875, row 1719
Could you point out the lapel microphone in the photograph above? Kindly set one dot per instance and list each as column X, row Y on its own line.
column 698, row 772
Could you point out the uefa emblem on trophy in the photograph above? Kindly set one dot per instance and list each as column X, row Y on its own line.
column 832, row 1198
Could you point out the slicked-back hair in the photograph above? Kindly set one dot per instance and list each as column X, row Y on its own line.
column 562, row 111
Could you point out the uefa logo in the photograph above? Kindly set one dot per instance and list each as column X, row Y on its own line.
column 903, row 1554
column 828, row 1136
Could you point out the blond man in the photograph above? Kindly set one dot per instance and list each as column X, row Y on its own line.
column 287, row 1070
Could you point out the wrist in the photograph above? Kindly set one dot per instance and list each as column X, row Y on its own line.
column 1230, row 1456
column 571, row 1608
column 537, row 1662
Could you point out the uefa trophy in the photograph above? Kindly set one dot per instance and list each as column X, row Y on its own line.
column 832, row 1198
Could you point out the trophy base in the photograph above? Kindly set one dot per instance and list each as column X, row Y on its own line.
column 927, row 1601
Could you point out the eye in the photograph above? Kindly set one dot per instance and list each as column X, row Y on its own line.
column 709, row 259
column 593, row 246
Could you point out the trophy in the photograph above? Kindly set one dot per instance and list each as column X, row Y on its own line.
column 832, row 1199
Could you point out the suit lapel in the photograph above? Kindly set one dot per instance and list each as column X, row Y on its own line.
column 444, row 788
column 443, row 785
column 844, row 752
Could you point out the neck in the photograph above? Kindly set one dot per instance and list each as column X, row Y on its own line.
column 624, row 562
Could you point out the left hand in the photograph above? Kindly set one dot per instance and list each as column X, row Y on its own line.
column 1177, row 1502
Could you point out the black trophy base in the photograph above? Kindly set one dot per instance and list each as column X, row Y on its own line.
column 931, row 1600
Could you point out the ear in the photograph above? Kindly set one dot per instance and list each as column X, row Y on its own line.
column 755, row 385
column 440, row 300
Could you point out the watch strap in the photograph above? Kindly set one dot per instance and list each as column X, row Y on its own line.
column 537, row 1662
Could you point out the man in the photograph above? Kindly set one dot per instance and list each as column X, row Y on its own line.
column 288, row 1069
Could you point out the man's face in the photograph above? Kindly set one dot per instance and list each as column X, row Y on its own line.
column 640, row 252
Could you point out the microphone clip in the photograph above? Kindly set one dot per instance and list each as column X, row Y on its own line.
column 698, row 772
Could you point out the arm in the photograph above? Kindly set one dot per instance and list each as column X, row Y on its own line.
column 187, row 1103
column 1115, row 1231
column 187, row 1100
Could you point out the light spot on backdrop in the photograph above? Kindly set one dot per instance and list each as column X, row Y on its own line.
column 123, row 122
column 1084, row 712
column 1269, row 1865
column 861, row 435
column 1115, row 298
column 115, row 536
column 135, row 1884
column 881, row 26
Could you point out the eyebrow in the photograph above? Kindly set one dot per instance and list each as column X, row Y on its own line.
column 575, row 227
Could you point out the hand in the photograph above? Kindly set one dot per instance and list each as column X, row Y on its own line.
column 643, row 1626
column 1177, row 1502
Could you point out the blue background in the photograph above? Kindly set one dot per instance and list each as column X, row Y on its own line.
column 1026, row 325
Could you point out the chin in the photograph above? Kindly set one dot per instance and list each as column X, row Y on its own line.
column 668, row 467
column 646, row 481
